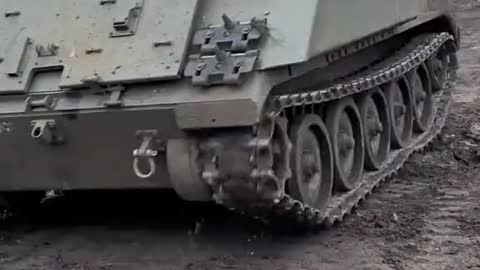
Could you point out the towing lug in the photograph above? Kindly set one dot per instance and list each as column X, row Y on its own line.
column 147, row 152
column 46, row 131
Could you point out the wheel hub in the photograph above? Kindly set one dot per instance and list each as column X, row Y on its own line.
column 400, row 111
column 438, row 68
column 346, row 144
column 374, row 129
column 422, row 94
column 311, row 165
column 347, row 135
column 311, row 162
column 374, row 112
column 419, row 95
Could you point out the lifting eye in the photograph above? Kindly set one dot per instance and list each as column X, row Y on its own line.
column 237, row 66
column 37, row 132
column 245, row 32
column 236, row 69
column 244, row 36
column 208, row 36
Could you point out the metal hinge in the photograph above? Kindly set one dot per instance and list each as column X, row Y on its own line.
column 113, row 93
column 47, row 102
column 125, row 24
column 223, row 53
column 115, row 96
column 220, row 68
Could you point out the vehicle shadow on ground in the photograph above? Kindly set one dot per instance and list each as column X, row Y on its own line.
column 153, row 217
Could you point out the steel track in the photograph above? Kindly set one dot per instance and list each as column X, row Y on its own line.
column 259, row 189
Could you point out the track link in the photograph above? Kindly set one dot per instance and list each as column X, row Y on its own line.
column 247, row 170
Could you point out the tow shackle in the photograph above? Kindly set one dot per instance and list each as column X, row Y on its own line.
column 146, row 152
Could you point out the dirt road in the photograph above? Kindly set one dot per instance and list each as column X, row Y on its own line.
column 427, row 217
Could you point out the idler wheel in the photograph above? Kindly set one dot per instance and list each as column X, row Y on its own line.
column 422, row 99
column 184, row 171
column 401, row 113
column 346, row 135
column 376, row 122
column 311, row 162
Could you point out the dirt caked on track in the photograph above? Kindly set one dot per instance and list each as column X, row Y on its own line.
column 426, row 217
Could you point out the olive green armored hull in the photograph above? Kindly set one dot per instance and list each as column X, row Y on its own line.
column 206, row 97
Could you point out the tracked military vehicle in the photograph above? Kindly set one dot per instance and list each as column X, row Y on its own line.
column 289, row 111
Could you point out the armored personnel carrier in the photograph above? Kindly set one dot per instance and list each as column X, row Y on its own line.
column 289, row 111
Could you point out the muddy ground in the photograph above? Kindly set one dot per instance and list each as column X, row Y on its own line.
column 428, row 217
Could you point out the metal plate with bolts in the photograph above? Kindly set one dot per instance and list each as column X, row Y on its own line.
column 90, row 38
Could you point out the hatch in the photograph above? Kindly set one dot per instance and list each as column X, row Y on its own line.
column 108, row 41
